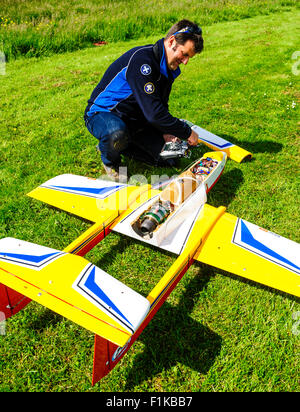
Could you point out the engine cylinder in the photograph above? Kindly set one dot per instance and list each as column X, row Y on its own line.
column 154, row 217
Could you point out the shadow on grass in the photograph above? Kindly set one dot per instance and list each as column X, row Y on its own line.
column 263, row 146
column 174, row 336
column 45, row 319
column 225, row 190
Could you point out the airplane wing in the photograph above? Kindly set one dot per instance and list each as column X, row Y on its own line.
column 249, row 251
column 92, row 199
column 100, row 201
column 73, row 287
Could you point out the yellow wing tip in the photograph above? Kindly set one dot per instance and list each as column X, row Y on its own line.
column 238, row 154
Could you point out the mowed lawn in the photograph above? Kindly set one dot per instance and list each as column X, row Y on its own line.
column 216, row 332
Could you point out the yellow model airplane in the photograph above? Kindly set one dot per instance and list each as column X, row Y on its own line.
column 176, row 219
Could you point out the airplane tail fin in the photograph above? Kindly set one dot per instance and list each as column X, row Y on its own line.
column 11, row 302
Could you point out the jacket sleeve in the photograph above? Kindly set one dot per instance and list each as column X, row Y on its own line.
column 143, row 78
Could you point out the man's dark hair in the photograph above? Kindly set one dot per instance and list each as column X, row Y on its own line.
column 186, row 30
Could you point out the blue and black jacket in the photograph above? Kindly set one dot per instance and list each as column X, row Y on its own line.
column 136, row 87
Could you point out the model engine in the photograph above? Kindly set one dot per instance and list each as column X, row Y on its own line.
column 173, row 197
column 155, row 216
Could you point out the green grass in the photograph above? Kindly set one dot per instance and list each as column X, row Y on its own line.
column 215, row 332
column 36, row 28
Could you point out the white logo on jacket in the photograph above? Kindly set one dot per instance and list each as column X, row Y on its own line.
column 145, row 69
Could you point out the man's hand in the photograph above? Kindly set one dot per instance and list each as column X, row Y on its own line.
column 170, row 138
column 193, row 139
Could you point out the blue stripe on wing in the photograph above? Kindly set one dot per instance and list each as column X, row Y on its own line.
column 248, row 239
column 220, row 146
column 92, row 286
column 28, row 258
column 93, row 191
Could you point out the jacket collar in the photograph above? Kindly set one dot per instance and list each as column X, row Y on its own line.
column 159, row 52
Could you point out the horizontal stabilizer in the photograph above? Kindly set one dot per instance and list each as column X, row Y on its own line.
column 73, row 287
column 218, row 143
column 242, row 248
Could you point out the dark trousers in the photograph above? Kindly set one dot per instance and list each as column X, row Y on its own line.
column 115, row 139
